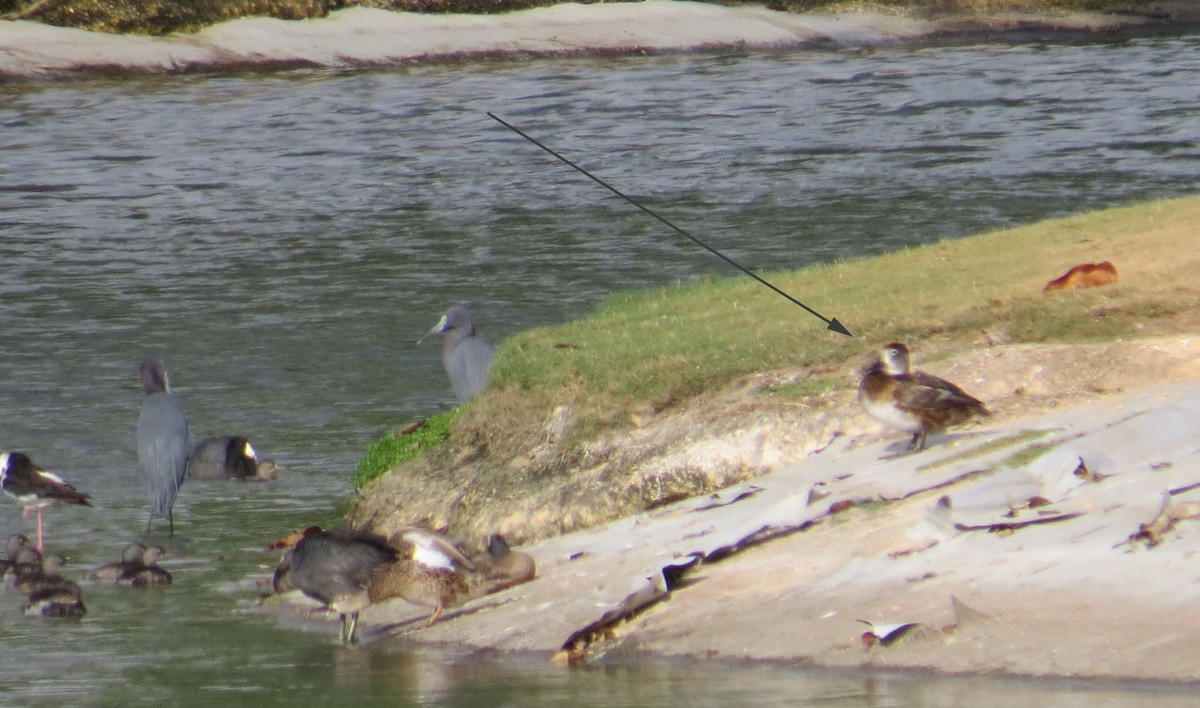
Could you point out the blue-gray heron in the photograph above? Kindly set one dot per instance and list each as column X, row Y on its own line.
column 465, row 356
column 335, row 568
column 162, row 439
column 34, row 488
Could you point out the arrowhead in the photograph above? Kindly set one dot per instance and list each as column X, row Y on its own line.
column 837, row 327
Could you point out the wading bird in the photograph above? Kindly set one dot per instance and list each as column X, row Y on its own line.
column 913, row 401
column 465, row 355
column 35, row 488
column 162, row 439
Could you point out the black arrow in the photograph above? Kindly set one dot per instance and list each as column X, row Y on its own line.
column 833, row 323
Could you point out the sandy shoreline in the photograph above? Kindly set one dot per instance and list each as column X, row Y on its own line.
column 358, row 37
column 791, row 566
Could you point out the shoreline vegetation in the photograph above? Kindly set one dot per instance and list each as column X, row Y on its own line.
column 162, row 17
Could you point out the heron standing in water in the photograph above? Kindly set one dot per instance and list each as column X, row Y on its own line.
column 162, row 439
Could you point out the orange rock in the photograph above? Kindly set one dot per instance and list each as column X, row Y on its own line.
column 1085, row 275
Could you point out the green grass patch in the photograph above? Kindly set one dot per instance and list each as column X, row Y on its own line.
column 392, row 449
column 659, row 347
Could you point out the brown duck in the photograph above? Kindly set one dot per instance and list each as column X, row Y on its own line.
column 913, row 401
column 504, row 567
column 434, row 573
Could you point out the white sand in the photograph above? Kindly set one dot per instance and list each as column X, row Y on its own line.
column 362, row 36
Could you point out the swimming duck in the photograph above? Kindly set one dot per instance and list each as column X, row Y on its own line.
column 47, row 575
column 131, row 558
column 223, row 457
column 504, row 567
column 63, row 599
column 335, row 567
column 146, row 572
column 434, row 573
column 914, row 402
column 465, row 356
column 35, row 488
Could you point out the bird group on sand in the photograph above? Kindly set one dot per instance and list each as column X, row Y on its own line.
column 348, row 571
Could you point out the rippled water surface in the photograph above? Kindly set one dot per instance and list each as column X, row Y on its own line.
column 281, row 241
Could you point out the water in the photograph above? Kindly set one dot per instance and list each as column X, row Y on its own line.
column 281, row 241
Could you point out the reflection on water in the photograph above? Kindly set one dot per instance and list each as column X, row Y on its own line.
column 282, row 241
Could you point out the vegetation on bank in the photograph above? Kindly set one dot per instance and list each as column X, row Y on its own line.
column 547, row 447
column 396, row 448
column 158, row 17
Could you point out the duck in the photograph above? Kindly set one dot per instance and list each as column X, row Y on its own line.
column 223, row 457
column 131, row 558
column 62, row 599
column 34, row 488
column 433, row 573
column 913, row 401
column 146, row 572
column 504, row 567
column 335, row 568
column 46, row 575
column 465, row 355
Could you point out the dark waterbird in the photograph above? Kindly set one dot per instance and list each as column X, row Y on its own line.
column 335, row 568
column 62, row 599
column 35, row 488
column 162, row 439
column 913, row 401
column 15, row 545
column 465, row 356
column 223, row 457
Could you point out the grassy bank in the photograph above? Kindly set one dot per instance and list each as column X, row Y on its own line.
column 157, row 17
column 561, row 397
column 650, row 350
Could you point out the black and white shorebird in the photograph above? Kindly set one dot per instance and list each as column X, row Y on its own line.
column 913, row 401
column 34, row 488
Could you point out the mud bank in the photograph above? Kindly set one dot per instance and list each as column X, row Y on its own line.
column 1020, row 547
column 358, row 37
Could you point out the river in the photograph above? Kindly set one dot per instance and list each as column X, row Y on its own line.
column 281, row 240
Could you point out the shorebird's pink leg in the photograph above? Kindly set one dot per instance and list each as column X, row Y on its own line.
column 40, row 550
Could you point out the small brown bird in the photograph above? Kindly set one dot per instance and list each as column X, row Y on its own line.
column 504, row 567
column 131, row 558
column 434, row 574
column 913, row 401
column 47, row 575
column 146, row 571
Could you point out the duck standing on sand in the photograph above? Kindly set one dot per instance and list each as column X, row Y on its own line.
column 434, row 574
column 35, row 488
column 913, row 401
